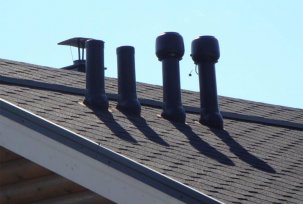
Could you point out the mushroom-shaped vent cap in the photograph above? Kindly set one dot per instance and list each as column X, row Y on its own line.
column 205, row 48
column 169, row 44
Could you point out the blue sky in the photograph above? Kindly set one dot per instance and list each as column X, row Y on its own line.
column 261, row 42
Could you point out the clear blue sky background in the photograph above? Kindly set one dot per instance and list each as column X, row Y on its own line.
column 261, row 41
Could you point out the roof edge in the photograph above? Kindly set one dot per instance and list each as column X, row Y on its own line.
column 106, row 156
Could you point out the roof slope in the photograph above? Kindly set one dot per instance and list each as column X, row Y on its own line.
column 256, row 159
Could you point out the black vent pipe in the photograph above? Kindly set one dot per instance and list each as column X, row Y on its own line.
column 205, row 53
column 127, row 95
column 170, row 50
column 95, row 92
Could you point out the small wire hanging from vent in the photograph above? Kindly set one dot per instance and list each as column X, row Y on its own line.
column 196, row 70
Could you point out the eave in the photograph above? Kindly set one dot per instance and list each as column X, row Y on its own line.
column 85, row 162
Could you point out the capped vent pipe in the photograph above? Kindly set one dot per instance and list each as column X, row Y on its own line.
column 170, row 50
column 205, row 53
column 127, row 95
column 95, row 93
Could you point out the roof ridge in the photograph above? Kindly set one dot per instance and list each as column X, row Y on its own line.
column 147, row 84
column 150, row 102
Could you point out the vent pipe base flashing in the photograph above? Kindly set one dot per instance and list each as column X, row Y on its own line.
column 127, row 94
column 169, row 50
column 205, row 53
column 95, row 92
column 214, row 120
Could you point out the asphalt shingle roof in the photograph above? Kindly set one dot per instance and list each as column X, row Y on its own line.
column 248, row 162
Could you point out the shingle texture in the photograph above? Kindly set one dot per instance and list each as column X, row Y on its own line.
column 248, row 162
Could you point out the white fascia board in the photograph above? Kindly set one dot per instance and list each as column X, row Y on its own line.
column 84, row 170
column 76, row 166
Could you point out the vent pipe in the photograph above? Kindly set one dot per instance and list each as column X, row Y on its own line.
column 127, row 95
column 170, row 50
column 95, row 93
column 205, row 53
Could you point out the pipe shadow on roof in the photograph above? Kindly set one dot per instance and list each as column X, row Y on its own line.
column 108, row 119
column 141, row 124
column 238, row 150
column 202, row 146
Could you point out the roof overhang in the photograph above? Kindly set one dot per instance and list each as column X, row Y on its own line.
column 85, row 162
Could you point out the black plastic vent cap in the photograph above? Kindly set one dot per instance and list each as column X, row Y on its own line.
column 169, row 44
column 205, row 48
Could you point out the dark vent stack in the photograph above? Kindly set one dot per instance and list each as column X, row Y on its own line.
column 95, row 91
column 170, row 50
column 79, row 65
column 205, row 53
column 127, row 95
